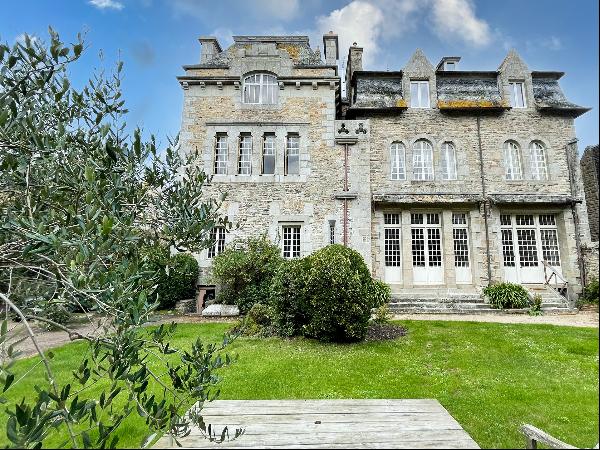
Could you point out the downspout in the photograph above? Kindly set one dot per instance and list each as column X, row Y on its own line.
column 485, row 203
column 570, row 161
column 345, row 199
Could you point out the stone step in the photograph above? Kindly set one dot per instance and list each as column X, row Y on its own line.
column 396, row 299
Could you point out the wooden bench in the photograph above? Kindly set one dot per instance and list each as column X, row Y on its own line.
column 534, row 435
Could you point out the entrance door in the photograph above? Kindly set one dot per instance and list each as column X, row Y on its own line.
column 527, row 241
column 392, row 248
column 426, row 244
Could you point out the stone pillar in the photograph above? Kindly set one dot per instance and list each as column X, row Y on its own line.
column 353, row 64
column 210, row 48
column 331, row 49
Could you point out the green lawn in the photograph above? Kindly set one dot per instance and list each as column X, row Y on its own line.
column 491, row 377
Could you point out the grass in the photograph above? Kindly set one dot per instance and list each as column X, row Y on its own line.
column 491, row 377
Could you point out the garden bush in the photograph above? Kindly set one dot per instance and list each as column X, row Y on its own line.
column 507, row 295
column 178, row 281
column 328, row 295
column 244, row 272
column 590, row 293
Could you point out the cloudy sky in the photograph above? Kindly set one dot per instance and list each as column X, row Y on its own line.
column 156, row 37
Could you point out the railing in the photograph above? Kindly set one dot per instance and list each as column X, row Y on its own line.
column 561, row 286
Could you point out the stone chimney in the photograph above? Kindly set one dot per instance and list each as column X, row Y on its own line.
column 330, row 46
column 210, row 47
column 354, row 63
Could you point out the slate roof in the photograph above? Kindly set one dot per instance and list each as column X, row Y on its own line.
column 378, row 90
column 549, row 96
column 468, row 90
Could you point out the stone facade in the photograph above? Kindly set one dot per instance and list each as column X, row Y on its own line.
column 590, row 172
column 345, row 190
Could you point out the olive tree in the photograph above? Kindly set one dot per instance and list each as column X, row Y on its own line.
column 80, row 201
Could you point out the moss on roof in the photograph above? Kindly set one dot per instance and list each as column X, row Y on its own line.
column 468, row 93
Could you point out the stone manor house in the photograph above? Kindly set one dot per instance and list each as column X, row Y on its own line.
column 444, row 180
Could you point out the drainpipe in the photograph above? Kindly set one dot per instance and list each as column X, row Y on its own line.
column 485, row 203
column 345, row 200
column 570, row 169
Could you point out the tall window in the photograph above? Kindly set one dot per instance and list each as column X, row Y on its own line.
column 221, row 155
column 512, row 161
column 398, row 171
column 292, row 155
column 517, row 94
column 245, row 155
column 392, row 242
column 448, row 161
column 419, row 94
column 422, row 160
column 260, row 89
column 537, row 156
column 332, row 231
column 268, row 159
column 217, row 237
column 460, row 236
column 291, row 241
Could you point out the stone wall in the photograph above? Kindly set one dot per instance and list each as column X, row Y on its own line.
column 590, row 261
column 590, row 168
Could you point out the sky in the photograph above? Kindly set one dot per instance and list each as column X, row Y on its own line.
column 154, row 38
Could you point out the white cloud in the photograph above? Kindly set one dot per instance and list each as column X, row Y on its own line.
column 456, row 19
column 358, row 21
column 552, row 43
column 106, row 4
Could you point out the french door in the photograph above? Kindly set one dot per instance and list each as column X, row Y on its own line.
column 527, row 240
column 393, row 248
column 426, row 243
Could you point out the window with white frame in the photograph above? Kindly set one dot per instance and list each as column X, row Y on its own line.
column 260, row 89
column 397, row 156
column 291, row 241
column 332, row 231
column 292, row 154
column 537, row 156
column 517, row 94
column 392, row 242
column 217, row 237
column 245, row 155
column 268, row 157
column 419, row 94
column 460, row 235
column 221, row 154
column 512, row 161
column 448, row 161
column 422, row 160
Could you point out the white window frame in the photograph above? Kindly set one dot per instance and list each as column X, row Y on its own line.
column 292, row 253
column 221, row 154
column 539, row 163
column 217, row 235
column 448, row 160
column 419, row 102
column 512, row 161
column 260, row 89
column 292, row 148
column 269, row 148
column 423, row 169
column 397, row 161
column 244, row 167
column 514, row 85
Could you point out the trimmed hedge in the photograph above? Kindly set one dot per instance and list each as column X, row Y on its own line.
column 328, row 295
column 244, row 271
column 507, row 295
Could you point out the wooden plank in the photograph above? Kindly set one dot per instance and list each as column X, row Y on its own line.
column 373, row 423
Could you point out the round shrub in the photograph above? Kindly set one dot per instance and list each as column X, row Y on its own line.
column 179, row 282
column 244, row 272
column 507, row 295
column 260, row 314
column 590, row 293
column 288, row 298
column 341, row 295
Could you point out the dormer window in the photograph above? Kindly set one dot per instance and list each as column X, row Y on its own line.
column 517, row 94
column 450, row 65
column 260, row 89
column 419, row 94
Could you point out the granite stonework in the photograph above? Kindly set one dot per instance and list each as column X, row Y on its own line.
column 469, row 109
column 590, row 172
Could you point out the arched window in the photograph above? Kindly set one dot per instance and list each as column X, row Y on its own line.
column 398, row 170
column 422, row 160
column 512, row 161
column 448, row 161
column 537, row 156
column 260, row 89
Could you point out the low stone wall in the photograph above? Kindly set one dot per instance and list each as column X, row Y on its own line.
column 590, row 261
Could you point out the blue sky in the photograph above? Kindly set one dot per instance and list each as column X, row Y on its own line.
column 156, row 37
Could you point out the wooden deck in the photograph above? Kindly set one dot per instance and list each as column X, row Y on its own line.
column 331, row 424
